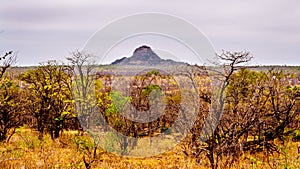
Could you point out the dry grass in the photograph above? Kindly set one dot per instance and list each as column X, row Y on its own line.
column 25, row 150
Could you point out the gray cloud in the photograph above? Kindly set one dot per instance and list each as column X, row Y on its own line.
column 42, row 31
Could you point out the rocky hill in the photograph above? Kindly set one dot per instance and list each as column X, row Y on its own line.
column 144, row 56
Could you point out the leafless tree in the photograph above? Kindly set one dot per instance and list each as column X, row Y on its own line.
column 83, row 66
column 7, row 60
column 213, row 143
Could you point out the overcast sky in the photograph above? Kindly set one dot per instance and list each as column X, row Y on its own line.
column 41, row 31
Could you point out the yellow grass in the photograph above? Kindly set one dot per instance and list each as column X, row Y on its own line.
column 25, row 150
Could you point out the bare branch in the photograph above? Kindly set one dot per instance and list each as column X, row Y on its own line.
column 8, row 59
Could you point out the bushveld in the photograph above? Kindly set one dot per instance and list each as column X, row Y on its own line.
column 50, row 114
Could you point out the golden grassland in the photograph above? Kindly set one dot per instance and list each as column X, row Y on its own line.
column 25, row 150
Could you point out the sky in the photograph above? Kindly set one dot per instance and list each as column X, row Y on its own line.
column 50, row 30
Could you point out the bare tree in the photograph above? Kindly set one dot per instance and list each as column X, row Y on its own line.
column 212, row 141
column 83, row 65
column 232, row 61
column 7, row 60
